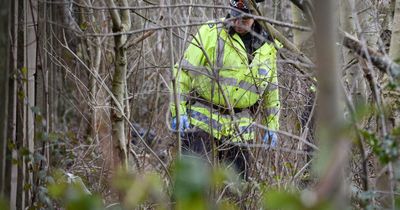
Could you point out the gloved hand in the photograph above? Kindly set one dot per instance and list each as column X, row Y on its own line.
column 183, row 123
column 271, row 138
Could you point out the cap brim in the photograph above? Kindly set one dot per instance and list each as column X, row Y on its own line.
column 239, row 13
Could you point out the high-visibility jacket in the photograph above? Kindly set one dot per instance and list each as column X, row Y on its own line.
column 216, row 67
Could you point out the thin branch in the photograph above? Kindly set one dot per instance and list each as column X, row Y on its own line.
column 140, row 39
column 116, row 19
column 125, row 17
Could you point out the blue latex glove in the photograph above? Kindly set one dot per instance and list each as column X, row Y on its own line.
column 183, row 123
column 271, row 138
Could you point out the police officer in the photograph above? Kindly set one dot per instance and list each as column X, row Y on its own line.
column 228, row 77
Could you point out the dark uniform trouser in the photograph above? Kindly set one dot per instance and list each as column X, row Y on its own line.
column 200, row 143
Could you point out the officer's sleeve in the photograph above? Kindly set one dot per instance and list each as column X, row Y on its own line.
column 183, row 87
column 193, row 59
column 271, row 103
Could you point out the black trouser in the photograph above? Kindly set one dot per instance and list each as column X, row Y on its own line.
column 200, row 143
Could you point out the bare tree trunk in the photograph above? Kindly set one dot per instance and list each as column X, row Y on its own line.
column 394, row 51
column 4, row 78
column 334, row 148
column 12, row 111
column 30, row 60
column 21, row 94
column 21, row 105
column 91, row 48
column 300, row 37
column 121, row 23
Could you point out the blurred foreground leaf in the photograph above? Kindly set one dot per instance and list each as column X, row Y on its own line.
column 146, row 189
column 275, row 199
column 3, row 204
column 191, row 184
column 70, row 192
column 282, row 200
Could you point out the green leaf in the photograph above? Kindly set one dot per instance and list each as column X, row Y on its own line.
column 21, row 95
column 53, row 136
column 86, row 202
column 191, row 178
column 15, row 161
column 84, row 25
column 191, row 183
column 27, row 187
column 24, row 71
column 57, row 190
column 386, row 149
column 396, row 132
column 282, row 200
column 11, row 145
column 3, row 204
column 24, row 151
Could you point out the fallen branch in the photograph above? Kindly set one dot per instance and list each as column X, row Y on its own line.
column 380, row 61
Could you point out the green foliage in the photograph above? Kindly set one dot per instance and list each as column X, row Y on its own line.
column 396, row 132
column 191, row 184
column 84, row 26
column 397, row 202
column 71, row 193
column 194, row 185
column 363, row 111
column 276, row 199
column 152, row 191
column 3, row 204
column 282, row 200
column 386, row 149
column 141, row 190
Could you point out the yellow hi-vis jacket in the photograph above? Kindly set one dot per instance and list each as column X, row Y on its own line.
column 216, row 67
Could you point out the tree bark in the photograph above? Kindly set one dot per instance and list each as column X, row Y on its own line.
column 21, row 132
column 382, row 62
column 353, row 75
column 394, row 51
column 4, row 77
column 121, row 23
column 334, row 147
column 300, row 37
column 30, row 60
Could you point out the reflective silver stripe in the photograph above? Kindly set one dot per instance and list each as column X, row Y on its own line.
column 198, row 104
column 215, row 111
column 244, row 114
column 246, row 129
column 228, row 81
column 242, row 84
column 205, row 119
column 250, row 87
column 220, row 50
column 272, row 86
column 193, row 70
column 272, row 111
column 263, row 72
